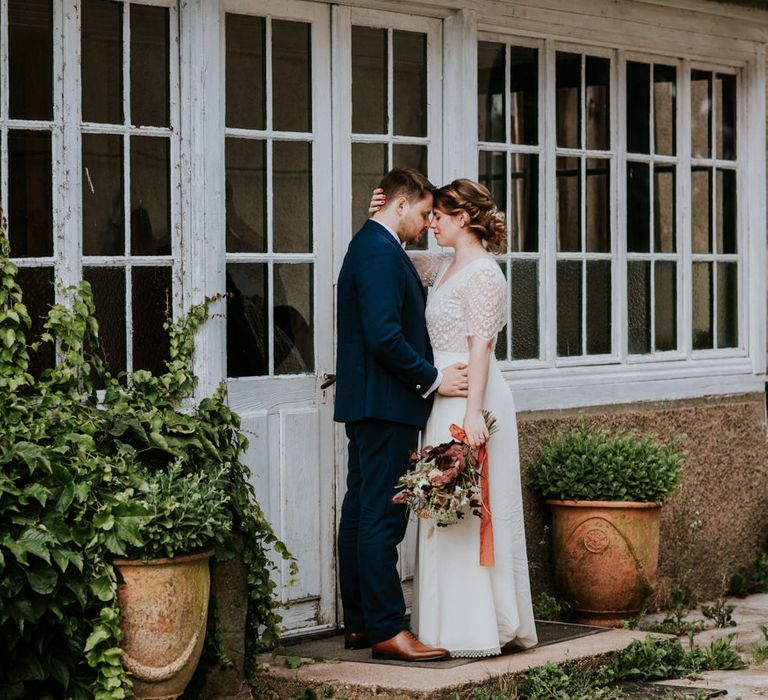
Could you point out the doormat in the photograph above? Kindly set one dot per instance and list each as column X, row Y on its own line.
column 332, row 648
column 647, row 691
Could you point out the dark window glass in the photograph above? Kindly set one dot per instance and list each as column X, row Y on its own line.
column 151, row 296
column 665, row 110
column 727, row 305
column 30, row 196
column 292, row 196
column 568, row 204
column 294, row 318
column 701, row 114
column 150, row 195
column 491, row 105
column 598, row 205
column 598, row 102
column 247, row 319
column 523, row 212
column 664, row 209
column 492, row 168
column 101, row 42
column 410, row 155
column 701, row 210
column 569, row 296
column 291, row 76
column 30, row 59
column 524, row 98
column 639, row 306
column 150, row 65
column 409, row 83
column 702, row 306
column 726, row 211
column 725, row 94
column 108, row 284
column 369, row 163
column 568, row 100
column 245, row 72
column 598, row 307
column 525, row 309
column 638, row 107
column 38, row 293
column 666, row 304
column 369, row 80
column 103, row 205
column 246, row 195
column 638, row 208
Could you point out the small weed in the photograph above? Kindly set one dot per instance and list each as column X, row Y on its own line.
column 760, row 652
column 720, row 613
column 547, row 607
column 305, row 694
column 748, row 581
column 293, row 662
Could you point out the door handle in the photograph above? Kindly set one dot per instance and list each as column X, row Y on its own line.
column 328, row 380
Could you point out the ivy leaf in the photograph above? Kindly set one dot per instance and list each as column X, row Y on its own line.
column 31, row 541
column 128, row 520
column 100, row 634
column 101, row 587
column 42, row 580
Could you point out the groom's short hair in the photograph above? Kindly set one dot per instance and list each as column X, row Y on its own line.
column 406, row 182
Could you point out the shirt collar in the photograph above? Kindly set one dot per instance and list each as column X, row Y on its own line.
column 397, row 238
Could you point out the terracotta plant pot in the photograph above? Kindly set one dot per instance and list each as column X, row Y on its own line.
column 606, row 554
column 163, row 613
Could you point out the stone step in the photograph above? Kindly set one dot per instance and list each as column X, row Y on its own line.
column 328, row 675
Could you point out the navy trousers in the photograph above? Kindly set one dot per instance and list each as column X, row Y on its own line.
column 372, row 526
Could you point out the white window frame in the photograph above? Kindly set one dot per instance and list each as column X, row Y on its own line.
column 622, row 378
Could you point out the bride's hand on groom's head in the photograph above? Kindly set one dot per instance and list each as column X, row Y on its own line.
column 378, row 200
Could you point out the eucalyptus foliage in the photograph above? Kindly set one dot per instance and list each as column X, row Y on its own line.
column 144, row 472
column 590, row 464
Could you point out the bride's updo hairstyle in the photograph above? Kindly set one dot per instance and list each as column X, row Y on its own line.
column 485, row 220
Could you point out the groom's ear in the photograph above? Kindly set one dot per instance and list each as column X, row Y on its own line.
column 401, row 204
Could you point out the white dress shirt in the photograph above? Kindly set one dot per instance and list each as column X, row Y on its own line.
column 439, row 373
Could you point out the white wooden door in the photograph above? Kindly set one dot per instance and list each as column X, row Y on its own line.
column 276, row 73
column 387, row 113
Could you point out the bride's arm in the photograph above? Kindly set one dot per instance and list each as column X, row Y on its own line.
column 477, row 372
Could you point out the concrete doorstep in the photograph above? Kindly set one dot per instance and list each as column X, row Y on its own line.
column 356, row 681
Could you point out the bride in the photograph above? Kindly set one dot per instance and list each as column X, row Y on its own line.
column 459, row 605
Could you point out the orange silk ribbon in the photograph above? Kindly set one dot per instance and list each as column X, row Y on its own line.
column 487, row 556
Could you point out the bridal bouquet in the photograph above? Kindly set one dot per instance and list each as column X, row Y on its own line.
column 445, row 480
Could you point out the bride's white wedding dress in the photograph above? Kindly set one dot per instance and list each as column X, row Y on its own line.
column 471, row 610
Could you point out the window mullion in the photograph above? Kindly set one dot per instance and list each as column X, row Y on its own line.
column 619, row 186
column 684, row 221
column 548, row 280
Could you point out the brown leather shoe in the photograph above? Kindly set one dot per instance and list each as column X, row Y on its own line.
column 356, row 640
column 405, row 647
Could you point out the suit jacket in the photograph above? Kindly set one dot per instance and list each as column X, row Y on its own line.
column 384, row 359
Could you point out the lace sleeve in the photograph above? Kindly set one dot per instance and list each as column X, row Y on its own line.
column 428, row 264
column 485, row 301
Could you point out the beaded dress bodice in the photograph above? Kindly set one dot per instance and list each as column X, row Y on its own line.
column 471, row 302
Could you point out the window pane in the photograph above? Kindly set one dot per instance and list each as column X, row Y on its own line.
column 597, row 82
column 405, row 155
column 638, row 208
column 639, row 306
column 247, row 340
column 598, row 206
column 150, row 195
column 245, row 72
column 726, row 211
column 523, row 214
column 666, row 305
column 102, row 61
column 409, row 83
column 665, row 109
column 702, row 305
column 664, row 209
column 525, row 309
column 294, row 327
column 569, row 307
column 727, row 306
column 492, row 168
column 103, row 207
column 38, row 293
column 701, row 214
column 291, row 76
column 638, row 107
column 701, row 114
column 108, row 285
column 524, row 88
column 246, row 195
column 369, row 81
column 725, row 94
column 30, row 196
column 491, row 105
column 598, row 307
column 568, row 204
column 369, row 163
column 30, row 59
column 568, row 102
column 151, row 297
column 292, row 196
column 150, row 67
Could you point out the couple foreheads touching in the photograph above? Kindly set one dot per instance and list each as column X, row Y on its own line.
column 410, row 364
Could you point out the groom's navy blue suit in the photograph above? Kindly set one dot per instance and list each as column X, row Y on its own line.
column 383, row 369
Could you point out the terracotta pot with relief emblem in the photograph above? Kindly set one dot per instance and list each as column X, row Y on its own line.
column 163, row 612
column 605, row 555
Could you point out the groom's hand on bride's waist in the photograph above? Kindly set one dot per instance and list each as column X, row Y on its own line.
column 455, row 382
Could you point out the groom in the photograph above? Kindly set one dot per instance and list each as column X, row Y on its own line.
column 384, row 392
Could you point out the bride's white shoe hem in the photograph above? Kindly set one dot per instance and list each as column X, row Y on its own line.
column 474, row 653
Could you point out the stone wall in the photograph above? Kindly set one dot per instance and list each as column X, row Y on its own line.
column 716, row 523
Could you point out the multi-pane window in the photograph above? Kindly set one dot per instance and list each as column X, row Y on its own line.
column 714, row 224
column 621, row 268
column 269, row 154
column 390, row 108
column 28, row 120
column 510, row 152
column 651, row 221
column 129, row 205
